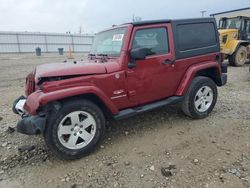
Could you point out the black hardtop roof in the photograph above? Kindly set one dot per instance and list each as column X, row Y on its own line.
column 191, row 20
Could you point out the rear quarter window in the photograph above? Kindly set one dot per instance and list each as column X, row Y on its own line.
column 195, row 36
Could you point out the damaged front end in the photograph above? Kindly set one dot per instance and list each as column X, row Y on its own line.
column 29, row 124
column 33, row 116
column 46, row 79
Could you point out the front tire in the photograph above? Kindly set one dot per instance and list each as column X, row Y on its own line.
column 75, row 129
column 200, row 98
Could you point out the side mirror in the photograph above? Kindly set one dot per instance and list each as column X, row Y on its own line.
column 137, row 54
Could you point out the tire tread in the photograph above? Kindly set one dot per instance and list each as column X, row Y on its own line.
column 54, row 118
column 188, row 106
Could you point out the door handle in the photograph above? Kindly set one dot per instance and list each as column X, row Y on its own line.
column 167, row 61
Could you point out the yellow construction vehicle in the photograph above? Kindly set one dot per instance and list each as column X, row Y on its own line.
column 235, row 39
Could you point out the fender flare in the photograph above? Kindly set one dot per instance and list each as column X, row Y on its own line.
column 39, row 98
column 242, row 43
column 232, row 46
column 235, row 44
column 191, row 72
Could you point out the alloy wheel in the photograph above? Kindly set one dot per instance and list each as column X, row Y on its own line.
column 203, row 99
column 76, row 130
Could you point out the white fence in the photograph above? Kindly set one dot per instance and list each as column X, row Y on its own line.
column 22, row 42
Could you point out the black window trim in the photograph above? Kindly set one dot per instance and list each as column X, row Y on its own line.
column 197, row 51
column 156, row 27
column 199, row 47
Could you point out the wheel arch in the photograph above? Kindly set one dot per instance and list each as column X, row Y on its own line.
column 91, row 97
column 38, row 100
column 233, row 45
column 209, row 69
column 241, row 43
column 212, row 73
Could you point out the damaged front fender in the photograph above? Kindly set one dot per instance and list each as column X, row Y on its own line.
column 39, row 98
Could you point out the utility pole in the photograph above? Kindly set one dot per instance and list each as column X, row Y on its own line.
column 203, row 12
column 136, row 18
column 80, row 29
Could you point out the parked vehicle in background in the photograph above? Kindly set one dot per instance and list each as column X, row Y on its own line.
column 235, row 39
column 132, row 68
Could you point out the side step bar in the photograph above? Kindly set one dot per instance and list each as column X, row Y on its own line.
column 138, row 110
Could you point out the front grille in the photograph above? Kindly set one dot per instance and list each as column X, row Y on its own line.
column 30, row 84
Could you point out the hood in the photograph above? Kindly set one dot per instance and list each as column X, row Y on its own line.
column 74, row 69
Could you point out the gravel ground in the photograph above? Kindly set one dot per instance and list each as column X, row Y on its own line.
column 162, row 148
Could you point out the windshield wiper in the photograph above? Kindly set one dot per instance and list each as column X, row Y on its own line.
column 91, row 55
column 103, row 55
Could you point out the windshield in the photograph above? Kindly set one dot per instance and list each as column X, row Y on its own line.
column 109, row 42
column 231, row 23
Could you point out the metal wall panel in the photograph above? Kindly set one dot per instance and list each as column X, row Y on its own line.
column 236, row 13
column 82, row 48
column 9, row 48
column 59, row 39
column 32, row 47
column 82, row 40
column 54, row 47
column 31, row 39
column 8, row 38
column 21, row 42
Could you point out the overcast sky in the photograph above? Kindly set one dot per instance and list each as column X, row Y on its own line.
column 94, row 15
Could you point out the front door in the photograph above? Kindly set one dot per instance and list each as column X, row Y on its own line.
column 152, row 78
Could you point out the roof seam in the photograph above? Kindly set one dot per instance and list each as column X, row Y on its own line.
column 147, row 22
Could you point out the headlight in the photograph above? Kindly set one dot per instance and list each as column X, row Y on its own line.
column 224, row 39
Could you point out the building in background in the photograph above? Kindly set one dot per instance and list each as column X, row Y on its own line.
column 232, row 13
column 25, row 42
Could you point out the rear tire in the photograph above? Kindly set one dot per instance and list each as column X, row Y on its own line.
column 75, row 129
column 200, row 98
column 239, row 57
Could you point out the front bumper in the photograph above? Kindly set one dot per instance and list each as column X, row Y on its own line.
column 30, row 125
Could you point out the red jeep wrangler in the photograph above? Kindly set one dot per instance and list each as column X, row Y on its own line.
column 132, row 68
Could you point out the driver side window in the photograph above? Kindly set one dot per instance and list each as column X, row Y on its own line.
column 155, row 40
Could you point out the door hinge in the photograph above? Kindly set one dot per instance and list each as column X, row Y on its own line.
column 129, row 73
